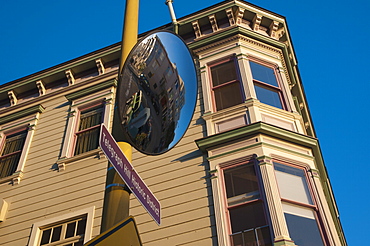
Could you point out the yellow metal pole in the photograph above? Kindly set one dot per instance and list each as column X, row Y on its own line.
column 130, row 29
column 117, row 195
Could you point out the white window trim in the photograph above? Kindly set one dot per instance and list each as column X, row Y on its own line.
column 36, row 231
column 106, row 98
column 29, row 123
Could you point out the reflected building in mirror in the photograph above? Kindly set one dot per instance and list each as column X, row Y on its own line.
column 157, row 96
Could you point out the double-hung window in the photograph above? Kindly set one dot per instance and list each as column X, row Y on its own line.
column 90, row 107
column 87, row 136
column 298, row 205
column 245, row 207
column 10, row 153
column 227, row 91
column 16, row 132
column 266, row 85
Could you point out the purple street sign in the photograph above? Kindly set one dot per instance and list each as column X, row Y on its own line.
column 127, row 172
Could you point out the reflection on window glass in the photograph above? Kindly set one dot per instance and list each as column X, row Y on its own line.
column 301, row 219
column 266, row 85
column 302, row 225
column 263, row 74
column 268, row 96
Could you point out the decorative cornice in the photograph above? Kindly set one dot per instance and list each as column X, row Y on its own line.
column 19, row 114
column 92, row 89
column 253, row 129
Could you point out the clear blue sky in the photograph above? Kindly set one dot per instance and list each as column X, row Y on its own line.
column 330, row 39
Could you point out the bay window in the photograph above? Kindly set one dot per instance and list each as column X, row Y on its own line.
column 298, row 206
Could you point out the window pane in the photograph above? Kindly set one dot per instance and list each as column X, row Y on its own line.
column 228, row 96
column 237, row 239
column 56, row 233
column 45, row 237
column 87, row 141
column 268, row 96
column 263, row 74
column 81, row 227
column 292, row 183
column 11, row 153
column 302, row 225
column 14, row 143
column 70, row 232
column 223, row 73
column 241, row 180
column 90, row 118
column 248, row 216
column 8, row 164
column 263, row 235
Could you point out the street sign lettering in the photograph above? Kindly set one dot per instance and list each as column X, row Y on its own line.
column 129, row 175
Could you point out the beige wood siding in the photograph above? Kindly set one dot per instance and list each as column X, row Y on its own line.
column 43, row 191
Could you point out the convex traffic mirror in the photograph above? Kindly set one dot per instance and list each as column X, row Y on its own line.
column 157, row 93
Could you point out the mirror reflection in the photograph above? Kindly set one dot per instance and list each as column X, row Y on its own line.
column 157, row 93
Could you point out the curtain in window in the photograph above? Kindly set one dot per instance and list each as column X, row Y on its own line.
column 88, row 131
column 11, row 153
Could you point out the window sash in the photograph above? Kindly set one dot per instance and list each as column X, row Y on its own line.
column 292, row 184
column 11, row 153
column 87, row 138
column 227, row 95
column 246, row 210
column 302, row 225
column 266, row 85
column 225, row 85
column 259, row 236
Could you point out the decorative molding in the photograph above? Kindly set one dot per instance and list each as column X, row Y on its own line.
column 70, row 77
column 31, row 127
column 25, row 112
column 61, row 166
column 108, row 100
column 213, row 21
column 100, row 66
column 212, row 174
column 264, row 160
column 12, row 97
column 239, row 16
column 196, row 28
column 230, row 16
column 273, row 29
column 16, row 177
column 91, row 89
column 41, row 87
column 315, row 173
column 238, row 37
column 257, row 19
column 241, row 160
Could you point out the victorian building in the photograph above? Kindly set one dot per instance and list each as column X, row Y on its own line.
column 248, row 171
